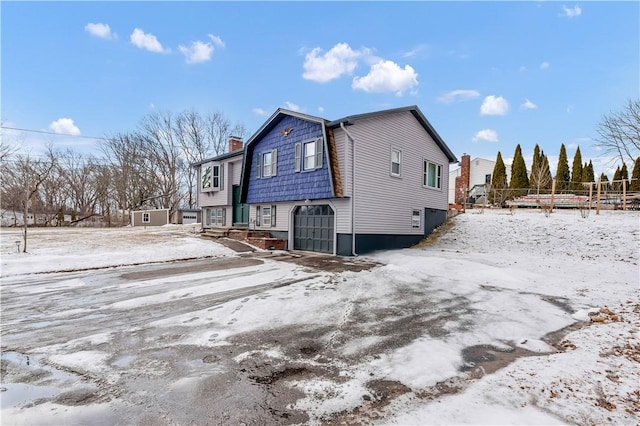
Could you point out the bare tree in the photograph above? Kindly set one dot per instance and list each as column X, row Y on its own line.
column 130, row 184
column 22, row 183
column 200, row 138
column 163, row 152
column 619, row 133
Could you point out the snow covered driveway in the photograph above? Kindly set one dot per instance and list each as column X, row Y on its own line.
column 463, row 329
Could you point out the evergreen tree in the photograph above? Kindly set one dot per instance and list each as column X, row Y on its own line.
column 588, row 174
column 604, row 180
column 547, row 179
column 563, row 177
column 497, row 193
column 535, row 167
column 615, row 184
column 635, row 176
column 624, row 176
column 576, row 171
column 519, row 179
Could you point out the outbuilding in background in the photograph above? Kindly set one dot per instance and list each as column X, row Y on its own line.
column 156, row 217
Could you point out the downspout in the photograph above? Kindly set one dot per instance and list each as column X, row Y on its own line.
column 353, row 189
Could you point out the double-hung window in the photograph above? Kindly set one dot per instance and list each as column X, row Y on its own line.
column 396, row 159
column 267, row 164
column 308, row 155
column 146, row 217
column 266, row 216
column 432, row 175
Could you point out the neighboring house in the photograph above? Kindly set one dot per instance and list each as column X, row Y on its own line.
column 186, row 216
column 354, row 185
column 151, row 217
column 471, row 179
column 219, row 189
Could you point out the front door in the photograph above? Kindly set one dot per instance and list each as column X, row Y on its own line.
column 240, row 210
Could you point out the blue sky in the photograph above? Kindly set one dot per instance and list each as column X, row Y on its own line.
column 487, row 75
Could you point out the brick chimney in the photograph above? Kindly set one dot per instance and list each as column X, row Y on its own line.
column 462, row 181
column 235, row 143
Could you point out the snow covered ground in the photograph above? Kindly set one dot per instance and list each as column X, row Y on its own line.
column 456, row 331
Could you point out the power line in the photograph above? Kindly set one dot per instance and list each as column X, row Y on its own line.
column 51, row 133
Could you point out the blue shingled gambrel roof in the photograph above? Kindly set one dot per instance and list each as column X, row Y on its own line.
column 266, row 128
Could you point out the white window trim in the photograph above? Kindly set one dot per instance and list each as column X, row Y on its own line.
column 213, row 168
column 302, row 154
column 425, row 175
column 413, row 219
column 391, row 162
column 271, row 166
column 217, row 217
column 146, row 217
column 260, row 216
column 209, row 182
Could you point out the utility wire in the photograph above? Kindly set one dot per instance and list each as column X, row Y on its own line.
column 52, row 133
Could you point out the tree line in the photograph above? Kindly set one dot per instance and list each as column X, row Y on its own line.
column 148, row 167
column 539, row 179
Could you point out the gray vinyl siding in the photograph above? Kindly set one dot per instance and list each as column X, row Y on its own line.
column 236, row 171
column 384, row 203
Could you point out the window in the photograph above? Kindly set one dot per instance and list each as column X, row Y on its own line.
column 217, row 217
column 487, row 179
column 308, row 155
column 267, row 164
column 265, row 216
column 415, row 219
column 146, row 217
column 211, row 178
column 432, row 175
column 216, row 176
column 396, row 156
column 206, row 177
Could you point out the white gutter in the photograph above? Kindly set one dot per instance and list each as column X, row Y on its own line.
column 353, row 189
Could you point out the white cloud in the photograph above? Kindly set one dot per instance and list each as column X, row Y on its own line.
column 320, row 109
column 494, row 105
column 64, row 126
column 260, row 111
column 486, row 135
column 415, row 51
column 387, row 76
column 545, row 65
column 100, row 30
column 292, row 106
column 528, row 105
column 571, row 12
column 200, row 51
column 146, row 41
column 570, row 108
column 458, row 96
column 341, row 59
column 523, row 68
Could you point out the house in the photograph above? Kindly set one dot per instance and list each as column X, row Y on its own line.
column 349, row 186
column 150, row 217
column 470, row 180
column 218, row 192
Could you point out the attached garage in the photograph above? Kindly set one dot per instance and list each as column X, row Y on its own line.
column 313, row 228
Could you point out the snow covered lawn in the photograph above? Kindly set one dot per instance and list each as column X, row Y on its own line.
column 463, row 329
